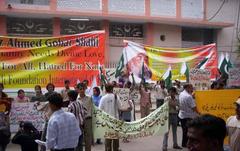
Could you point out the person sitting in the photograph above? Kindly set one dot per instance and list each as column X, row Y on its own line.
column 21, row 98
column 26, row 137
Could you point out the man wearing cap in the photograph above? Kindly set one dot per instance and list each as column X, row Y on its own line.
column 233, row 127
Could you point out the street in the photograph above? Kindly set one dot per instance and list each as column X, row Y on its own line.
column 153, row 143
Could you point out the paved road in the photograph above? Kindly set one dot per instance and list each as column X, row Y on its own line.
column 153, row 143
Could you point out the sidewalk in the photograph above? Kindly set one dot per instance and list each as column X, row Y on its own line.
column 153, row 143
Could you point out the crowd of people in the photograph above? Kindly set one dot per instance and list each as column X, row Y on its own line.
column 71, row 130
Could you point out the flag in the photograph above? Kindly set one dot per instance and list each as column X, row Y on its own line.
column 142, row 74
column 167, row 77
column 230, row 65
column 223, row 65
column 184, row 69
column 203, row 63
column 102, row 77
column 120, row 67
column 109, row 75
column 94, row 84
column 133, row 79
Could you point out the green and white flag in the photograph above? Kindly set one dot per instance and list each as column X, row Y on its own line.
column 120, row 67
column 185, row 69
column 142, row 74
column 223, row 65
column 167, row 77
column 203, row 63
column 102, row 77
column 230, row 65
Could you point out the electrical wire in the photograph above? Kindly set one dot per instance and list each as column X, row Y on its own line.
column 217, row 11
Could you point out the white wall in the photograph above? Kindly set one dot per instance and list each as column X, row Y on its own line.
column 226, row 37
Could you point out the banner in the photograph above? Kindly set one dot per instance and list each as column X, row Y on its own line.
column 25, row 112
column 25, row 62
column 200, row 79
column 157, row 60
column 105, row 126
column 217, row 102
column 123, row 95
column 234, row 77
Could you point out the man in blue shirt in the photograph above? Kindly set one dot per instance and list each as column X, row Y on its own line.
column 63, row 129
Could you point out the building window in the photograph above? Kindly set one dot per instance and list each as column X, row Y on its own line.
column 75, row 27
column 29, row 2
column 126, row 30
column 192, row 9
column 131, row 7
column 163, row 8
column 29, row 26
column 192, row 37
column 80, row 5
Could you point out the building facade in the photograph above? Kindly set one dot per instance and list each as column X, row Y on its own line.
column 164, row 23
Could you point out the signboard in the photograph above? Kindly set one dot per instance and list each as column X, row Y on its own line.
column 27, row 61
column 25, row 112
column 217, row 102
column 123, row 95
column 200, row 79
column 135, row 95
column 234, row 77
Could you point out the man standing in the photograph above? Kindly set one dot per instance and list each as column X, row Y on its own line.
column 78, row 110
column 206, row 133
column 187, row 110
column 63, row 130
column 233, row 126
column 64, row 92
column 111, row 105
column 161, row 93
column 173, row 118
column 88, row 105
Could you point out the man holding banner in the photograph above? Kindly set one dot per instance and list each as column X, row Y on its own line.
column 111, row 105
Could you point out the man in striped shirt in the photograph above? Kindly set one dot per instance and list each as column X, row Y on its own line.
column 78, row 110
column 88, row 104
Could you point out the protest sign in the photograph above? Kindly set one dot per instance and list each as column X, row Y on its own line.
column 135, row 95
column 123, row 96
column 217, row 102
column 106, row 126
column 200, row 79
column 25, row 112
column 26, row 61
column 234, row 77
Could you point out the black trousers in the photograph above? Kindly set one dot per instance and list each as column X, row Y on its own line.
column 184, row 131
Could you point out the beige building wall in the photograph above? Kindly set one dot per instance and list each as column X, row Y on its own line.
column 226, row 37
column 173, row 36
